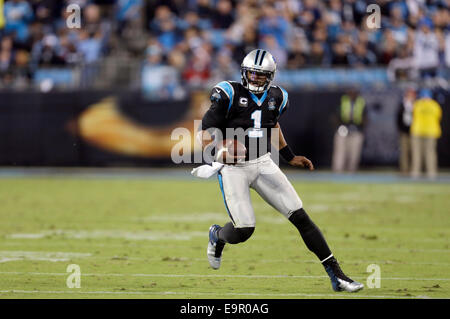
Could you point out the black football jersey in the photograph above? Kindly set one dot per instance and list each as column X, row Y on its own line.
column 234, row 107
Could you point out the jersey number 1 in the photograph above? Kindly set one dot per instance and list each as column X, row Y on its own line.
column 256, row 132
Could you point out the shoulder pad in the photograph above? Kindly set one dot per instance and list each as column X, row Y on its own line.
column 227, row 88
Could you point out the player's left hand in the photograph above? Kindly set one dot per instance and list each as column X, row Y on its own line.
column 302, row 161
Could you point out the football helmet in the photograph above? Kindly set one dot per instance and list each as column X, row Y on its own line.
column 258, row 70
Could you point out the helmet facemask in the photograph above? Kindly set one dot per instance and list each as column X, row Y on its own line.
column 256, row 81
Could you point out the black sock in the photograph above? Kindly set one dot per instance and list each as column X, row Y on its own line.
column 330, row 262
column 230, row 234
column 311, row 234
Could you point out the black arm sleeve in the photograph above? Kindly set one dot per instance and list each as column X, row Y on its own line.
column 216, row 115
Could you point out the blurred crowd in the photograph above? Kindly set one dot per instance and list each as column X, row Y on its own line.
column 198, row 42
column 34, row 34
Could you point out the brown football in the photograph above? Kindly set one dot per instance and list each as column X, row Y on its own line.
column 235, row 151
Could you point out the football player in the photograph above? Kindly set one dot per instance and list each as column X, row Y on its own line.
column 255, row 106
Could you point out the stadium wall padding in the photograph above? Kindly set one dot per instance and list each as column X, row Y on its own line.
column 40, row 129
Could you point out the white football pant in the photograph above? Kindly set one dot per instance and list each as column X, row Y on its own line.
column 266, row 178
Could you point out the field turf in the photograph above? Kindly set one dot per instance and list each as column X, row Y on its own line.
column 147, row 237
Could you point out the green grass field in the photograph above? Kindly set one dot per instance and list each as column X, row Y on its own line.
column 146, row 238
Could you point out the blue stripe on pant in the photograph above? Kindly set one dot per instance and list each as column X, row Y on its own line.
column 219, row 176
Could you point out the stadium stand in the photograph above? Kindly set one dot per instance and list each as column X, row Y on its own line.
column 191, row 44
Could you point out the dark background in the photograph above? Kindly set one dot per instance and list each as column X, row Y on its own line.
column 34, row 127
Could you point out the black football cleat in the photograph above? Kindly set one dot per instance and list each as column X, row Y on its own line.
column 339, row 281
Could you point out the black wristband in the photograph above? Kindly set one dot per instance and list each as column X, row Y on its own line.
column 286, row 153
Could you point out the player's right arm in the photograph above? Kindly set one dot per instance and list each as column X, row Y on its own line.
column 215, row 117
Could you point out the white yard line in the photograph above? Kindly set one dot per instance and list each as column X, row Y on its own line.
column 209, row 276
column 113, row 234
column 18, row 255
column 159, row 235
column 254, row 294
column 203, row 260
column 382, row 262
column 197, row 234
column 409, row 250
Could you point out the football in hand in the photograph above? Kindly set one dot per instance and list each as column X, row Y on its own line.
column 232, row 151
